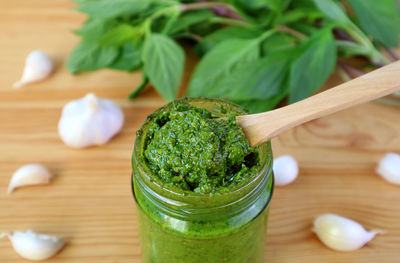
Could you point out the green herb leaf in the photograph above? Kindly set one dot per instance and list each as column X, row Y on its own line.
column 189, row 19
column 380, row 19
column 220, row 61
column 256, row 11
column 313, row 66
column 298, row 14
column 129, row 58
column 256, row 80
column 258, row 105
column 112, row 8
column 277, row 42
column 305, row 28
column 224, row 34
column 94, row 29
column 301, row 4
column 120, row 34
column 276, row 5
column 333, row 10
column 88, row 56
column 163, row 63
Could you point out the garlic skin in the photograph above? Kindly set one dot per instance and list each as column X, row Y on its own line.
column 285, row 170
column 340, row 233
column 89, row 121
column 30, row 174
column 32, row 246
column 38, row 66
column 389, row 168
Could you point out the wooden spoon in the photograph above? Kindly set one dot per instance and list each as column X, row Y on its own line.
column 261, row 127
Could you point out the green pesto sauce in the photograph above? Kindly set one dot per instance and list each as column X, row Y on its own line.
column 192, row 149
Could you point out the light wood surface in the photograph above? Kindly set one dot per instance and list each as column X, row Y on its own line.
column 90, row 200
column 261, row 127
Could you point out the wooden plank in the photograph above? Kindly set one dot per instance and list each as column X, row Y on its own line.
column 90, row 200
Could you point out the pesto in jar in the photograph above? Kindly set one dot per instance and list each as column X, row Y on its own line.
column 192, row 149
column 202, row 192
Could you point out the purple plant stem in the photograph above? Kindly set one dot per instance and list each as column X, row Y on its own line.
column 341, row 34
column 352, row 72
column 224, row 12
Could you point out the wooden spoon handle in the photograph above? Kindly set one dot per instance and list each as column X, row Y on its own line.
column 261, row 127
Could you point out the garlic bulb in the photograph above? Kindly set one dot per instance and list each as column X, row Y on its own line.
column 38, row 66
column 32, row 246
column 340, row 233
column 89, row 121
column 285, row 170
column 389, row 168
column 30, row 174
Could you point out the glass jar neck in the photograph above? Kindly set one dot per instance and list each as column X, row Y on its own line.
column 195, row 205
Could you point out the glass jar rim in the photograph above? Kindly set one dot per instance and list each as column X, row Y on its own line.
column 181, row 198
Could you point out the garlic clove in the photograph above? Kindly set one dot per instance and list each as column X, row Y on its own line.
column 32, row 246
column 285, row 170
column 38, row 66
column 389, row 168
column 89, row 121
column 340, row 233
column 30, row 174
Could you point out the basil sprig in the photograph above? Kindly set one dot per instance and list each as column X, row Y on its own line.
column 253, row 52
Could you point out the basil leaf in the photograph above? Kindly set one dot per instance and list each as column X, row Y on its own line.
column 277, row 42
column 333, row 10
column 316, row 62
column 220, row 61
column 275, row 5
column 300, row 13
column 301, row 4
column 112, row 8
column 223, row 34
column 120, row 35
column 88, row 56
column 306, row 29
column 189, row 19
column 261, row 79
column 254, row 11
column 261, row 105
column 94, row 29
column 129, row 58
column 163, row 63
column 380, row 19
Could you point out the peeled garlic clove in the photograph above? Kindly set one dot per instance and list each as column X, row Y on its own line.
column 30, row 174
column 285, row 170
column 389, row 168
column 89, row 121
column 340, row 233
column 32, row 246
column 38, row 66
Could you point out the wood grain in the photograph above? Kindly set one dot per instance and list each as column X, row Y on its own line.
column 261, row 127
column 90, row 200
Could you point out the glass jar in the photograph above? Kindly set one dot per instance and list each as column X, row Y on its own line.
column 197, row 228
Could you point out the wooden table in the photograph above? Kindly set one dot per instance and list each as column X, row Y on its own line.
column 90, row 200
